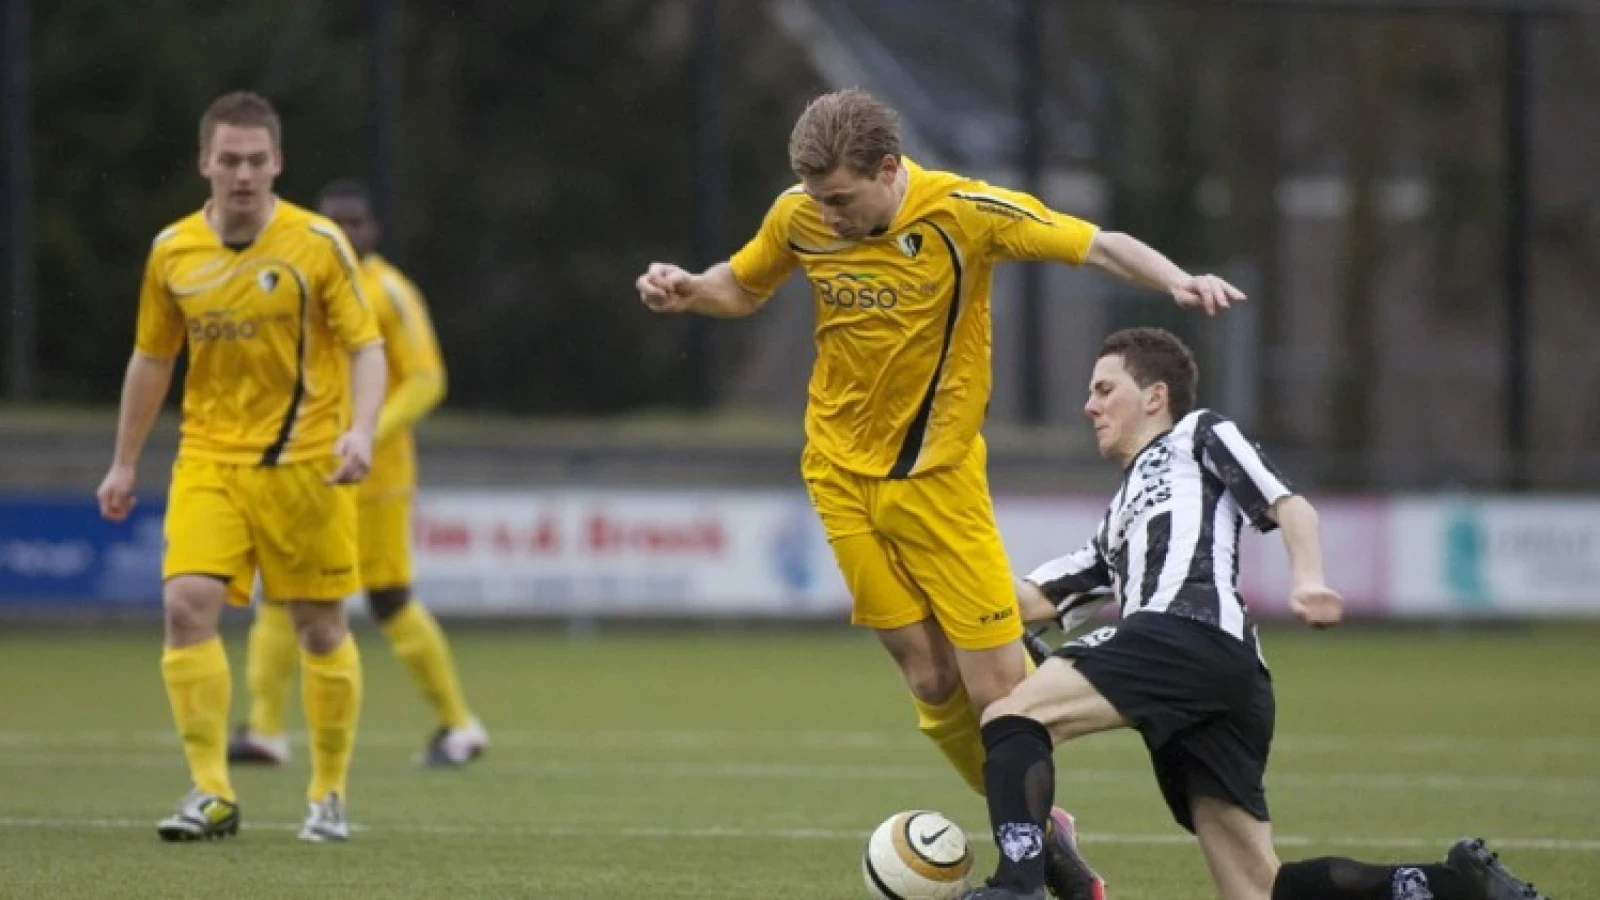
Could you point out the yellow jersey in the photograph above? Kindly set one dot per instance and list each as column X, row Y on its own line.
column 269, row 327
column 416, row 375
column 903, row 334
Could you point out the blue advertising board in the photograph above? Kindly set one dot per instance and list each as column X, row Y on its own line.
column 57, row 553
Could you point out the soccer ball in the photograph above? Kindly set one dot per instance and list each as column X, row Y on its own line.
column 917, row 855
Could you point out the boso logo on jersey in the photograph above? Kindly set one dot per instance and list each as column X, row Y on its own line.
column 221, row 326
column 861, row 290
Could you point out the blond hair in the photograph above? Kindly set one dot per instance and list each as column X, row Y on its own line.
column 850, row 128
column 243, row 109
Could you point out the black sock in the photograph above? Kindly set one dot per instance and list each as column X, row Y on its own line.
column 1020, row 779
column 1334, row 878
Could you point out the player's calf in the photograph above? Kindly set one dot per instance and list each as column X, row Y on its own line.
column 1470, row 872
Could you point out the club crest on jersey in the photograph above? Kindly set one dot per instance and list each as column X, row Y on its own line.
column 268, row 279
column 910, row 244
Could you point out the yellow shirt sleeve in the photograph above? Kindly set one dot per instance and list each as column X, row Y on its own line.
column 416, row 368
column 1021, row 227
column 763, row 263
column 160, row 330
column 350, row 317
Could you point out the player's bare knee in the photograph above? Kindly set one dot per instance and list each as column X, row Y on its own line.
column 190, row 609
column 931, row 682
column 926, row 661
column 185, row 623
column 321, row 627
column 386, row 603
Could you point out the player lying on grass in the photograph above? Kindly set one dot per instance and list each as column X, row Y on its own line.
column 1184, row 668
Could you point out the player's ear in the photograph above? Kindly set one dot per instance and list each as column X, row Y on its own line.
column 1156, row 400
column 889, row 167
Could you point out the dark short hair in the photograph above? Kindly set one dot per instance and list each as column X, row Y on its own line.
column 345, row 189
column 242, row 109
column 1156, row 354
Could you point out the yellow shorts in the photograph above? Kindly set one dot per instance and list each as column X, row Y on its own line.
column 228, row 520
column 918, row 547
column 386, row 542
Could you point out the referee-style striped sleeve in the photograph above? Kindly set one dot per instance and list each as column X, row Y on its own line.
column 1083, row 571
column 1246, row 472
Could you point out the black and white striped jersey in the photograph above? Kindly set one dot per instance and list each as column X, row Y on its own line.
column 1169, row 542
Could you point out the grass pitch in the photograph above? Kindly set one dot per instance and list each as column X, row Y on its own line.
column 734, row 764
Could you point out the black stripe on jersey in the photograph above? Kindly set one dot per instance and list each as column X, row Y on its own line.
column 1198, row 599
column 1238, row 526
column 911, row 447
column 270, row 456
column 1157, row 537
column 1122, row 582
column 813, row 251
column 1081, row 582
column 1235, row 474
column 1003, row 203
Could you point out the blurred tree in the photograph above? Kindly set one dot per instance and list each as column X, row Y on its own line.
column 545, row 160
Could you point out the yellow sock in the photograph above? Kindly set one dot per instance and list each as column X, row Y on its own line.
column 199, row 689
column 330, row 688
column 953, row 727
column 269, row 667
column 419, row 643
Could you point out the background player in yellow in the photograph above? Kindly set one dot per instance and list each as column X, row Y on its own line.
column 280, row 403
column 900, row 261
column 416, row 385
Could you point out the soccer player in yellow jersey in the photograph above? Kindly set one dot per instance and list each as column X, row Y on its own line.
column 416, row 385
column 280, row 403
column 899, row 259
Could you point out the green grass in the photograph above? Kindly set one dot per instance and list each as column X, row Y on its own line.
column 751, row 765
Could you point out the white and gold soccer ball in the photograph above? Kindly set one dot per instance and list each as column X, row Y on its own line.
column 917, row 855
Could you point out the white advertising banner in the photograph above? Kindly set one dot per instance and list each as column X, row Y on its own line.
column 1472, row 556
column 762, row 553
column 628, row 552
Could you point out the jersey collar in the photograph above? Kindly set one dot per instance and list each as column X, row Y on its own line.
column 272, row 216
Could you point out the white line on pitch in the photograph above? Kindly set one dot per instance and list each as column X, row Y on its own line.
column 1564, row 845
column 1420, row 744
column 1393, row 782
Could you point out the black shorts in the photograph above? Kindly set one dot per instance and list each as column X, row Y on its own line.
column 1201, row 699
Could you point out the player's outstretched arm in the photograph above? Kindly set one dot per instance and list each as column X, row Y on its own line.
column 1125, row 257
column 666, row 288
column 1310, row 599
column 143, row 388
